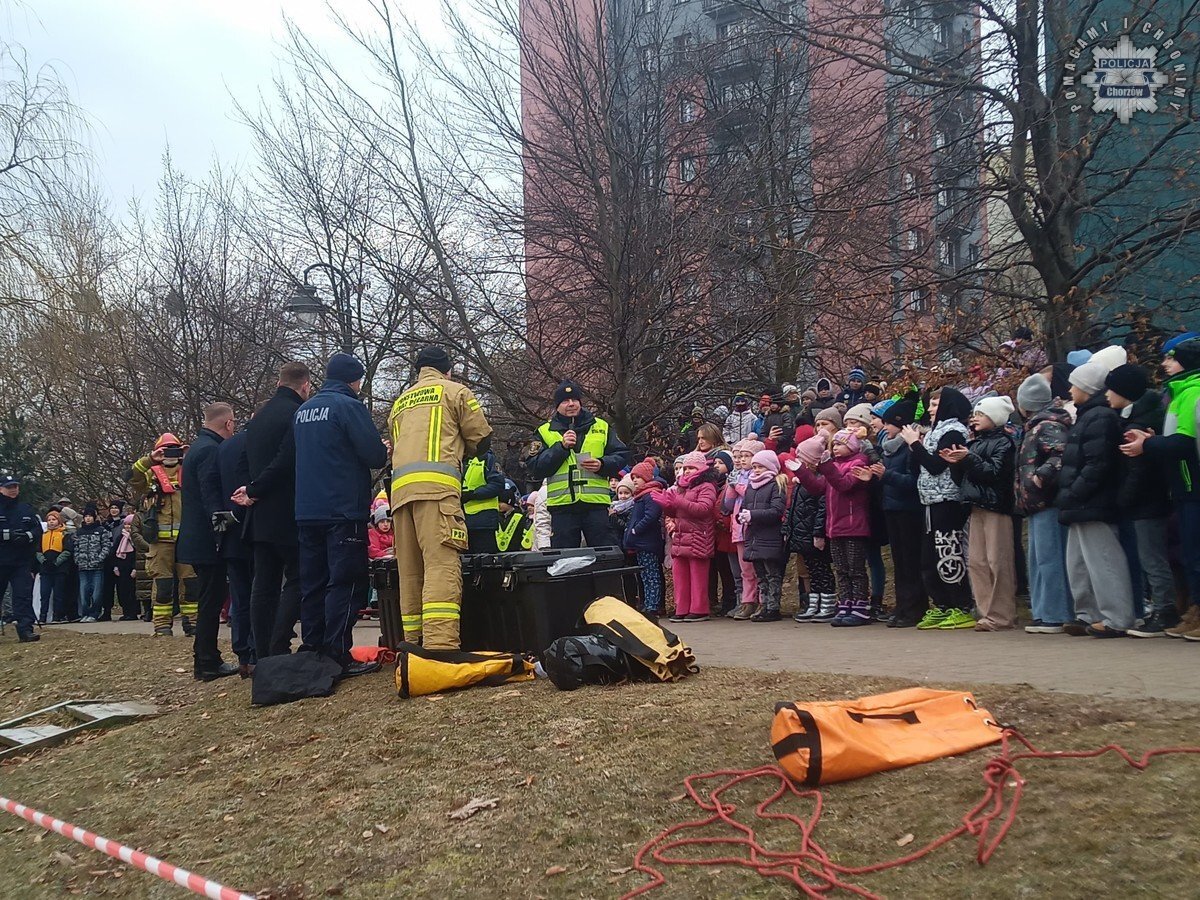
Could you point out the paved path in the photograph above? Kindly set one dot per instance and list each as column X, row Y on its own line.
column 1163, row 668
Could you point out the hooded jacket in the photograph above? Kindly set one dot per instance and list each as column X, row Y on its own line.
column 1178, row 445
column 985, row 476
column 691, row 505
column 899, row 481
column 935, row 483
column 847, row 500
column 1091, row 465
column 89, row 546
column 1145, row 483
column 739, row 424
column 25, row 532
column 1041, row 455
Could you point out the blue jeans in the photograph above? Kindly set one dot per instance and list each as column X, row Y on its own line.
column 91, row 594
column 876, row 570
column 333, row 561
column 1049, row 594
column 1189, row 539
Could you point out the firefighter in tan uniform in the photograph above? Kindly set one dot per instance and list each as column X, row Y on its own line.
column 435, row 425
column 155, row 482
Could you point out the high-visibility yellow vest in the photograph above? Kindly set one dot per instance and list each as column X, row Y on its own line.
column 572, row 484
column 506, row 532
column 476, row 478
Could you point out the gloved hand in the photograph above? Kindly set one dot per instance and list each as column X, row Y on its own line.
column 21, row 537
column 41, row 558
column 63, row 559
column 744, row 517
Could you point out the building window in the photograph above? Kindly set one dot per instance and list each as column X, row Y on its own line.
column 645, row 7
column 912, row 128
column 910, row 182
column 943, row 199
column 917, row 300
column 939, row 140
column 909, row 239
column 687, row 110
column 689, row 169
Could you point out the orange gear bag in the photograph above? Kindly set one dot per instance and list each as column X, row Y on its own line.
column 823, row 743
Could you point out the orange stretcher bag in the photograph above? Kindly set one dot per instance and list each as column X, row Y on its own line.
column 823, row 743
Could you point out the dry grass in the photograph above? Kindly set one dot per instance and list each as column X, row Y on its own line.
column 280, row 799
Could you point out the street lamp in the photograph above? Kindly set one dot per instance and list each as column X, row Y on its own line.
column 308, row 306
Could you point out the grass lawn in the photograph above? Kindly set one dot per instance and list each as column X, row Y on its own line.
column 349, row 796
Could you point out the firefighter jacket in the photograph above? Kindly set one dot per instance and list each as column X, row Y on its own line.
column 435, row 425
column 161, row 499
column 481, row 487
column 515, row 534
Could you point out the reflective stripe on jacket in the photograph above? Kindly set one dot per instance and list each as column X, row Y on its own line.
column 572, row 484
column 435, row 424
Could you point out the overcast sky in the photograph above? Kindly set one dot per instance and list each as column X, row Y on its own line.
column 149, row 72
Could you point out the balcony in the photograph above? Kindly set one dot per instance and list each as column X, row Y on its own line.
column 735, row 55
column 722, row 10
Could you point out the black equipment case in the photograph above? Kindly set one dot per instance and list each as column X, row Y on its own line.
column 512, row 603
column 386, row 578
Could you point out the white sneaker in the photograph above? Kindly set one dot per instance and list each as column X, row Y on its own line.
column 87, row 619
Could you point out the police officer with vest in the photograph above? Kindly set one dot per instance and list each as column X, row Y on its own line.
column 435, row 425
column 482, row 485
column 337, row 446
column 580, row 453
column 20, row 540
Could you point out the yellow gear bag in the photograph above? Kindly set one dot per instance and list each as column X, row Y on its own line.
column 660, row 651
column 420, row 671
column 823, row 743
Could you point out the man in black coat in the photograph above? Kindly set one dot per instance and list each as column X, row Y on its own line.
column 20, row 540
column 1087, row 505
column 270, row 493
column 203, row 503
column 237, row 551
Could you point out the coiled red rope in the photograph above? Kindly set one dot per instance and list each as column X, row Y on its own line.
column 809, row 867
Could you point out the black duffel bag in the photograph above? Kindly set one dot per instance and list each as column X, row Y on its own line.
column 293, row 676
column 588, row 659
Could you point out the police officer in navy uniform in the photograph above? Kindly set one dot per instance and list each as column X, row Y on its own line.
column 581, row 452
column 20, row 540
column 337, row 446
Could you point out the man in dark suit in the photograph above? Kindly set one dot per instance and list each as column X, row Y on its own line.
column 237, row 551
column 200, row 485
column 270, row 494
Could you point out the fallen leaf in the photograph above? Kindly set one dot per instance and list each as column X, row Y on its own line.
column 528, row 781
column 368, row 833
column 382, row 829
column 213, row 748
column 621, row 871
column 905, row 841
column 434, row 697
column 61, row 858
column 677, row 798
column 181, row 671
column 228, row 818
column 472, row 807
column 509, row 694
column 555, row 870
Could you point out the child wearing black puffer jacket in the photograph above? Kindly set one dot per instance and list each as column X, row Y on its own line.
column 984, row 471
column 804, row 533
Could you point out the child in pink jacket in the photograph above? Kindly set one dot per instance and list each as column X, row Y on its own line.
column 735, row 492
column 847, row 523
column 690, row 503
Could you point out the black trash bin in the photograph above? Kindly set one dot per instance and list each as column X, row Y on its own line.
column 512, row 603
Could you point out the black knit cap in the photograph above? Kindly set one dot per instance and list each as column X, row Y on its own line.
column 1128, row 381
column 568, row 390
column 435, row 358
column 901, row 413
column 1187, row 354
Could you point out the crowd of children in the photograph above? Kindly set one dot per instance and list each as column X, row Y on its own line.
column 1086, row 482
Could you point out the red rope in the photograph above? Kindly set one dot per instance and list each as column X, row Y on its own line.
column 809, row 868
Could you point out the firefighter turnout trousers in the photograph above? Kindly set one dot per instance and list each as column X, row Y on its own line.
column 430, row 534
column 170, row 580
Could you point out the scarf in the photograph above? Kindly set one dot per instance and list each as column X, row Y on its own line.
column 126, row 546
column 891, row 445
column 760, row 479
column 620, row 507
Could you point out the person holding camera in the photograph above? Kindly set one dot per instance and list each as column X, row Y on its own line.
column 20, row 537
column 155, row 482
column 204, row 519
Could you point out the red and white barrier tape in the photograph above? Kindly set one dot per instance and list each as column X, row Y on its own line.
column 164, row 870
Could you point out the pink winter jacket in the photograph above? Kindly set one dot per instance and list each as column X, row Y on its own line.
column 692, row 506
column 847, row 500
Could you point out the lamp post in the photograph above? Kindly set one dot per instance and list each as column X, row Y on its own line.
column 309, row 307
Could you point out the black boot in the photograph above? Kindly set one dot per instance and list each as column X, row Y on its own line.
column 221, row 670
column 28, row 637
column 351, row 669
